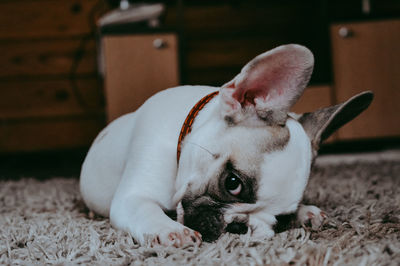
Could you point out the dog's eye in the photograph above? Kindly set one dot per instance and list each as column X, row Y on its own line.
column 233, row 184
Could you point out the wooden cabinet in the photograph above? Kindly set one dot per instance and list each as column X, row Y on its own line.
column 366, row 56
column 136, row 67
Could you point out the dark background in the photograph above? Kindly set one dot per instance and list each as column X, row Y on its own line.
column 49, row 81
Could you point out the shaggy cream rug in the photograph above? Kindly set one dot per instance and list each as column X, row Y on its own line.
column 45, row 222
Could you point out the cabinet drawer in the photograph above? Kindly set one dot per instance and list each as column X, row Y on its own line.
column 136, row 67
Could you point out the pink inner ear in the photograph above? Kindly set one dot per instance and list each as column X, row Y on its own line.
column 247, row 96
column 274, row 79
column 261, row 84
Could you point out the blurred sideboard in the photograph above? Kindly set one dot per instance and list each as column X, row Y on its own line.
column 51, row 96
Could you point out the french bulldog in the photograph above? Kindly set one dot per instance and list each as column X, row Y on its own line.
column 245, row 160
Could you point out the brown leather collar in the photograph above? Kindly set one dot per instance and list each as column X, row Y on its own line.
column 187, row 125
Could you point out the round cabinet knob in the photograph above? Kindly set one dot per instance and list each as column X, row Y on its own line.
column 345, row 32
column 159, row 43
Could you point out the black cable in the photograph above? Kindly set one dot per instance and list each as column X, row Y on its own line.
column 80, row 52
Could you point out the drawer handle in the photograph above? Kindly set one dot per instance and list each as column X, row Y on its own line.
column 159, row 43
column 345, row 32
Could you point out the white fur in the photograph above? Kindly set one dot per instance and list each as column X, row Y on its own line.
column 286, row 173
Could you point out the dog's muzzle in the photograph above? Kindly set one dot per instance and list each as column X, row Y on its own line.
column 208, row 219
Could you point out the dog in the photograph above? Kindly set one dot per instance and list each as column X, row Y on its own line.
column 242, row 159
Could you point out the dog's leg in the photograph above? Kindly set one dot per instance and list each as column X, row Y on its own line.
column 311, row 215
column 143, row 218
column 142, row 195
column 260, row 223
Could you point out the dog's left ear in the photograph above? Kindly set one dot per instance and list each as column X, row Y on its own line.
column 319, row 125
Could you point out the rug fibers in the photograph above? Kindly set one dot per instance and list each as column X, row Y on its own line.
column 46, row 223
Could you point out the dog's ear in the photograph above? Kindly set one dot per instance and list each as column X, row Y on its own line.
column 273, row 81
column 319, row 125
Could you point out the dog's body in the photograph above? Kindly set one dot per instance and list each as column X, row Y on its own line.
column 246, row 160
column 153, row 129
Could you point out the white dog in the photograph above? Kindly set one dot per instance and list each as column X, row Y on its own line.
column 242, row 159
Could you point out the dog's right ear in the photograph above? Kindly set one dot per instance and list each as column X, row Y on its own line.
column 268, row 86
column 319, row 125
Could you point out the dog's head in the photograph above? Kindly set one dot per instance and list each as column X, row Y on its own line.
column 247, row 153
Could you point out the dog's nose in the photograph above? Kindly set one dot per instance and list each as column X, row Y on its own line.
column 237, row 228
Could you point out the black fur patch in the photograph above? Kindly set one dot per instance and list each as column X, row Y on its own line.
column 248, row 194
column 237, row 228
column 230, row 121
column 285, row 222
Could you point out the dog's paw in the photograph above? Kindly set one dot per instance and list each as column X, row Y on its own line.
column 261, row 225
column 177, row 238
column 311, row 216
